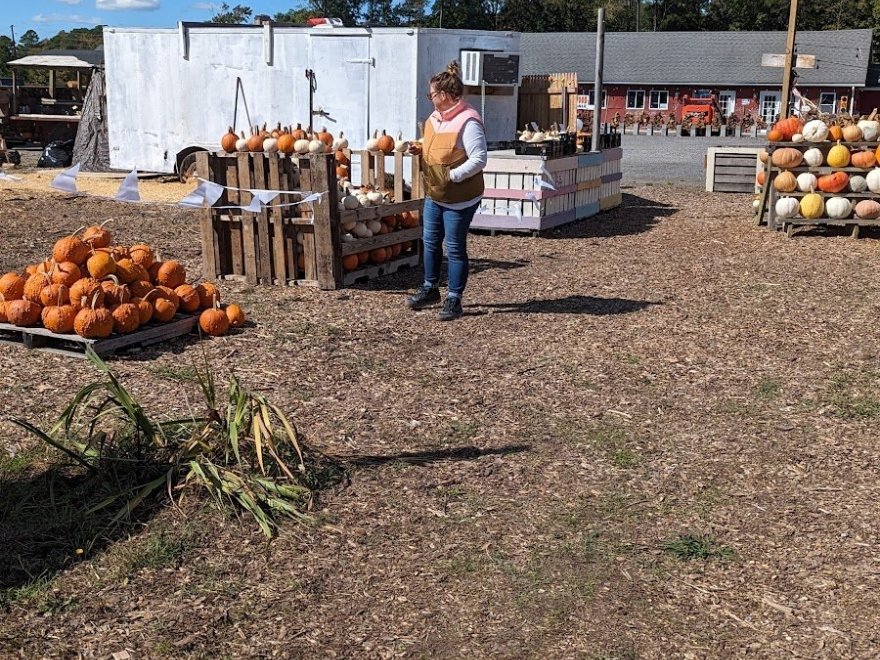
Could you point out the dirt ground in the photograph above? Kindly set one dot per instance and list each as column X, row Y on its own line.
column 652, row 435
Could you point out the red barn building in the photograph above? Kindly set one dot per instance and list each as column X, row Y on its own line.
column 661, row 72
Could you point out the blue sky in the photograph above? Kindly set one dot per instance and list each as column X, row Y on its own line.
column 48, row 17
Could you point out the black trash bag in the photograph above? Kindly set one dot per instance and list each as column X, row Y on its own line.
column 57, row 154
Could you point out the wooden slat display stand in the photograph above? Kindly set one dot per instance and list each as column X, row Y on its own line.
column 732, row 169
column 300, row 244
column 769, row 195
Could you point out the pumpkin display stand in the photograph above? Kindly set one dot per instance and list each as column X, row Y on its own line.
column 72, row 345
column 286, row 244
column 820, row 184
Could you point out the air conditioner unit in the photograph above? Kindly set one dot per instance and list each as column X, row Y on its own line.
column 493, row 68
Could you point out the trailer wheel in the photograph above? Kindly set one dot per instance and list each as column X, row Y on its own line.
column 187, row 169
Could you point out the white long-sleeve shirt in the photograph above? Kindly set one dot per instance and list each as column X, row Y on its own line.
column 473, row 140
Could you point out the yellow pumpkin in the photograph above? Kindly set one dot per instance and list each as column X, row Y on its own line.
column 812, row 206
column 838, row 156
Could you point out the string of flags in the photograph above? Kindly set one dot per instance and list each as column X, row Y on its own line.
column 206, row 194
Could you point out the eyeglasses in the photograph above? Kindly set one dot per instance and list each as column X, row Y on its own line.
column 431, row 95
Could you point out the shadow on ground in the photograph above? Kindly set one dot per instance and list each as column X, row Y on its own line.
column 635, row 215
column 572, row 305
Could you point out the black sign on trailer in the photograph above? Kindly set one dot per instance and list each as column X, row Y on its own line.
column 500, row 69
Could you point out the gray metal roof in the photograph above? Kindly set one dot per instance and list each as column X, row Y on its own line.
column 61, row 59
column 697, row 58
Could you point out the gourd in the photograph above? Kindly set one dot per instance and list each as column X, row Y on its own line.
column 58, row 318
column 189, row 298
column 54, row 294
column 93, row 322
column 838, row 155
column 373, row 142
column 785, row 182
column 797, row 138
column 812, row 206
column 208, row 294
column 86, row 288
column 834, row 182
column 868, row 209
column 852, row 133
column 142, row 254
column 270, row 145
column 301, row 146
column 23, row 313
column 227, row 142
column 214, row 321
column 96, row 237
column 66, row 272
column 126, row 318
column 350, row 202
column 787, row 157
column 870, row 129
column 255, row 142
column 400, row 145
column 526, row 135
column 838, row 207
column 815, row 131
column 341, row 142
column 71, row 249
column 241, row 144
column 873, row 180
column 235, row 315
column 171, row 274
column 864, row 159
column 316, row 146
column 325, row 137
column 12, row 286
column 114, row 292
column 806, row 181
column 34, row 285
column 813, row 157
column 285, row 143
column 788, row 127
column 857, row 183
column 835, row 133
column 385, row 143
column 787, row 207
column 100, row 265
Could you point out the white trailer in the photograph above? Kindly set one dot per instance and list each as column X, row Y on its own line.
column 171, row 92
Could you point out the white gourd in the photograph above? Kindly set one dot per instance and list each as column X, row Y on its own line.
column 857, row 183
column 360, row 230
column 363, row 200
column 373, row 142
column 316, row 146
column 270, row 145
column 813, row 157
column 375, row 197
column 870, row 129
column 374, row 226
column 873, row 180
column 838, row 207
column 400, row 144
column 538, row 136
column 787, row 207
column 526, row 135
column 756, row 204
column 241, row 143
column 797, row 137
column 301, row 146
column 350, row 202
column 806, row 181
column 347, row 238
column 815, row 131
column 341, row 142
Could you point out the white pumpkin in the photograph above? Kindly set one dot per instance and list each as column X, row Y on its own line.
column 756, row 204
column 360, row 230
column 838, row 207
column 347, row 238
column 363, row 200
column 316, row 146
column 374, row 226
column 350, row 202
column 270, row 145
column 857, row 183
column 873, row 180
column 301, row 146
column 815, row 131
column 341, row 142
column 375, row 197
column 787, row 207
column 241, row 144
column 870, row 129
column 814, row 157
column 806, row 181
column 797, row 137
column 373, row 142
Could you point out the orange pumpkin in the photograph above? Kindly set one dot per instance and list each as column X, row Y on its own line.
column 341, row 157
column 171, row 274
column 325, row 137
column 141, row 254
column 58, row 318
column 834, row 182
column 189, row 298
column 378, row 255
column 66, row 272
column 863, row 159
column 209, row 294
column 23, row 313
column 100, row 265
column 298, row 133
column 350, row 262
column 235, row 314
column 86, row 288
column 34, row 285
column 774, row 135
column 760, row 178
column 55, row 294
column 96, row 236
column 342, row 171
column 145, row 309
column 385, row 144
column 214, row 321
column 835, row 133
column 126, row 318
column 93, row 322
column 285, row 143
column 227, row 142
column 70, row 249
column 789, row 127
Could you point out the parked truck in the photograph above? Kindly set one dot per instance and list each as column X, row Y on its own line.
column 172, row 92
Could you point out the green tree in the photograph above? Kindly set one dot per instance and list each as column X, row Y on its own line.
column 298, row 16
column 7, row 49
column 237, row 14
column 76, row 39
column 412, row 13
column 28, row 42
column 463, row 14
column 380, row 13
column 349, row 11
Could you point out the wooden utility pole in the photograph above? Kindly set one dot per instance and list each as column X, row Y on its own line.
column 597, row 84
column 788, row 69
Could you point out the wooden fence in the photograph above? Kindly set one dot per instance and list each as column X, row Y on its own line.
column 548, row 99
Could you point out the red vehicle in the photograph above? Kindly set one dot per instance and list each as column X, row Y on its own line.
column 698, row 111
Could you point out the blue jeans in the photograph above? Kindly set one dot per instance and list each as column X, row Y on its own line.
column 438, row 222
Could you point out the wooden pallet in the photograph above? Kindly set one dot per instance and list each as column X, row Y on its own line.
column 732, row 169
column 372, row 272
column 40, row 339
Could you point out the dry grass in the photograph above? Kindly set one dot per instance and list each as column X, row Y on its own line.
column 652, row 435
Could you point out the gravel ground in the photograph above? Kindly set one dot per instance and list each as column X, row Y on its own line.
column 682, row 158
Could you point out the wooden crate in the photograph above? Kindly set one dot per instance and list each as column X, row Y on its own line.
column 299, row 244
column 732, row 169
column 72, row 345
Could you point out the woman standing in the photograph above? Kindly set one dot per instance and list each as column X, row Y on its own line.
column 453, row 155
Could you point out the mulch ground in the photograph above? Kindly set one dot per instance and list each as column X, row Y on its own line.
column 652, row 435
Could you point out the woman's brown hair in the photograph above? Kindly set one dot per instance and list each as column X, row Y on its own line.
column 449, row 81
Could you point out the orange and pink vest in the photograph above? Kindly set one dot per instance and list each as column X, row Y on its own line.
column 440, row 154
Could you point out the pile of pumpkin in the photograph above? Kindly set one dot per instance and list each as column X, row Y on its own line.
column 813, row 205
column 94, row 289
column 285, row 140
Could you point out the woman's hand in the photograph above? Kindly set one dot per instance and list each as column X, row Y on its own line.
column 415, row 149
